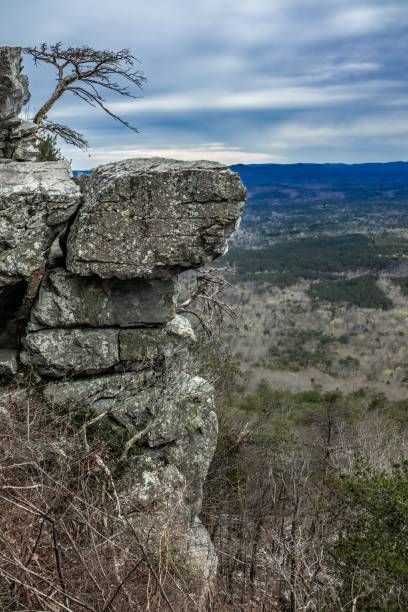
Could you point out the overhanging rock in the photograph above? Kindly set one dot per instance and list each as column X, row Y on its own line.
column 153, row 217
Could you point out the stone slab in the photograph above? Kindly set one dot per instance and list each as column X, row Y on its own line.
column 63, row 352
column 36, row 199
column 67, row 300
column 153, row 217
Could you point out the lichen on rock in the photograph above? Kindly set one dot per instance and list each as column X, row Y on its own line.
column 37, row 199
column 61, row 352
column 89, row 273
column 68, row 300
column 152, row 218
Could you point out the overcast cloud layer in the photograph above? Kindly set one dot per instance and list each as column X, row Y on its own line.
column 249, row 81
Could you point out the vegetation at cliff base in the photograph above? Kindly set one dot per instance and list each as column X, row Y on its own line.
column 370, row 507
column 307, row 501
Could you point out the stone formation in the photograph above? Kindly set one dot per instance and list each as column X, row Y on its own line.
column 88, row 273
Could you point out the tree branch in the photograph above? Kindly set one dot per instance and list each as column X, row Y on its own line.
column 87, row 73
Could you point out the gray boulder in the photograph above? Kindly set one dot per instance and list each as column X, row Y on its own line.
column 83, row 351
column 22, row 141
column 113, row 394
column 66, row 300
column 171, row 417
column 36, row 201
column 60, row 352
column 157, row 487
column 203, row 558
column 152, row 483
column 186, row 429
column 152, row 217
column 166, row 346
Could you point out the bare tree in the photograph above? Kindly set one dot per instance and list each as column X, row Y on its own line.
column 88, row 74
column 204, row 299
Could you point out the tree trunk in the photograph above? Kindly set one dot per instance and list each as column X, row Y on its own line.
column 46, row 107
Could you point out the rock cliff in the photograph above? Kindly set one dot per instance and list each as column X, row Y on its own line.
column 17, row 137
column 87, row 303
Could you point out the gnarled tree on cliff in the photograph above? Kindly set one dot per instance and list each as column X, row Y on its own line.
column 89, row 75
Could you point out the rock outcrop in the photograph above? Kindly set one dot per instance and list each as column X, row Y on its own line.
column 153, row 217
column 87, row 302
column 67, row 300
column 37, row 199
column 18, row 139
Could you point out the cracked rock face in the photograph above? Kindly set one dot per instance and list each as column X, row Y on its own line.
column 89, row 276
column 79, row 351
column 153, row 217
column 18, row 138
column 174, row 416
column 67, row 300
column 13, row 86
column 103, row 324
column 36, row 201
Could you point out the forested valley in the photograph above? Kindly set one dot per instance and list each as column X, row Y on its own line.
column 307, row 496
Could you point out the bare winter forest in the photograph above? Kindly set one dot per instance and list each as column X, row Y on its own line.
column 306, row 498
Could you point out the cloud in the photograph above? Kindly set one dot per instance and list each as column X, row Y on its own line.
column 280, row 97
column 277, row 80
column 357, row 20
column 373, row 127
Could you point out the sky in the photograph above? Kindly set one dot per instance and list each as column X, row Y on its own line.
column 249, row 81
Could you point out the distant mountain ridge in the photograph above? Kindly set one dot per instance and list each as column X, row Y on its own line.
column 391, row 173
column 385, row 174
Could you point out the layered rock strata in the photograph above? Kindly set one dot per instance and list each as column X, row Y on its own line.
column 151, row 218
column 87, row 300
